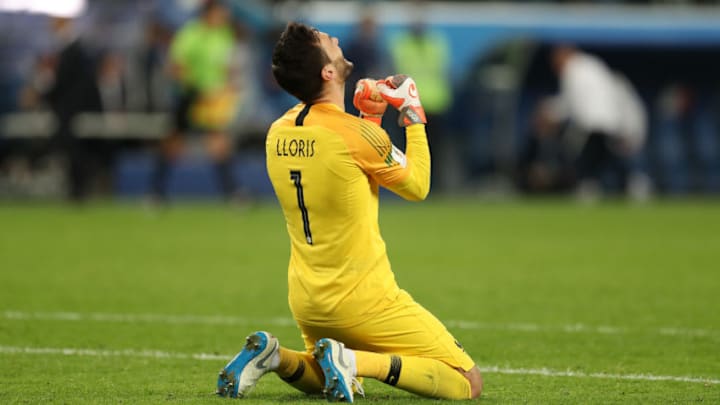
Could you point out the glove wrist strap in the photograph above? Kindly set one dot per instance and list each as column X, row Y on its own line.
column 411, row 115
column 376, row 118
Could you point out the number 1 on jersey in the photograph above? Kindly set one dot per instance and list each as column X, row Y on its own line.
column 296, row 177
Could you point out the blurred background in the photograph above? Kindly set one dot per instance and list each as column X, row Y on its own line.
column 171, row 99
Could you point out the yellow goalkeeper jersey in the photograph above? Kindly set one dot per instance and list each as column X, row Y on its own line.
column 326, row 167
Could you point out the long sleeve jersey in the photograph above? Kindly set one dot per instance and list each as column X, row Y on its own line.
column 326, row 167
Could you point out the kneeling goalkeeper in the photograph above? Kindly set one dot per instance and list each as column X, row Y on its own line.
column 326, row 167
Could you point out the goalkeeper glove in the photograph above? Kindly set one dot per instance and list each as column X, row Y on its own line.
column 400, row 92
column 368, row 101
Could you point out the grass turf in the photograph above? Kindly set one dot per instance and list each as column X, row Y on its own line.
column 531, row 288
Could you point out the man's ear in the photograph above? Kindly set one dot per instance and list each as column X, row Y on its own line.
column 328, row 72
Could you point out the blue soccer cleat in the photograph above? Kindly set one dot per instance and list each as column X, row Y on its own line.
column 338, row 370
column 241, row 374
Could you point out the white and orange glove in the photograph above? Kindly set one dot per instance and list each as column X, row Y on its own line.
column 368, row 101
column 400, row 92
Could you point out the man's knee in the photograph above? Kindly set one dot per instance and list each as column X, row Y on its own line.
column 476, row 382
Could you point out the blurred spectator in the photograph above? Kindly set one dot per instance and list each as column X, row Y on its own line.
column 243, row 78
column 152, row 56
column 492, row 93
column 686, row 139
column 39, row 81
column 425, row 56
column 201, row 55
column 112, row 83
column 545, row 164
column 609, row 117
column 72, row 89
column 365, row 51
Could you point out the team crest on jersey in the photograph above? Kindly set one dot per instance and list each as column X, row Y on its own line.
column 396, row 156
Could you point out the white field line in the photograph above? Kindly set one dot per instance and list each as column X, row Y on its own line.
column 154, row 354
column 582, row 328
column 280, row 321
column 158, row 354
column 579, row 374
column 142, row 318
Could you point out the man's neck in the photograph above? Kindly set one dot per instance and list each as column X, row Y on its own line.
column 334, row 95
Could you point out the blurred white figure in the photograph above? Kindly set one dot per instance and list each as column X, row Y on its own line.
column 609, row 116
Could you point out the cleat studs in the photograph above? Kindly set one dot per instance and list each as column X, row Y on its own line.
column 253, row 342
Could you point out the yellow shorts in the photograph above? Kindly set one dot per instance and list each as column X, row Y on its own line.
column 404, row 328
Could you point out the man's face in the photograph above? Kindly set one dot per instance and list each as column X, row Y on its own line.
column 559, row 58
column 217, row 16
column 332, row 49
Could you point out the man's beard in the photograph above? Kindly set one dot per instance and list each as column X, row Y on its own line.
column 344, row 67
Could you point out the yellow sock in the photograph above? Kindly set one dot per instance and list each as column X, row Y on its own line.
column 372, row 365
column 300, row 370
column 422, row 376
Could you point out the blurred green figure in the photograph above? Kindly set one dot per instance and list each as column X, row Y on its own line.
column 425, row 55
column 201, row 55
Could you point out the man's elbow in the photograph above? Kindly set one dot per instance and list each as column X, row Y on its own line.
column 418, row 195
column 411, row 189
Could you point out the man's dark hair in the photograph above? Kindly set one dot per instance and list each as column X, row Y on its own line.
column 297, row 61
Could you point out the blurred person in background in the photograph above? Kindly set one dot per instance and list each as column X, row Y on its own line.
column 686, row 137
column 112, row 82
column 40, row 78
column 151, row 58
column 245, row 82
column 70, row 86
column 424, row 55
column 201, row 55
column 116, row 96
column 365, row 49
column 545, row 163
column 609, row 116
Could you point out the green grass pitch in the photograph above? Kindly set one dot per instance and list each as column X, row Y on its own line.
column 557, row 302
